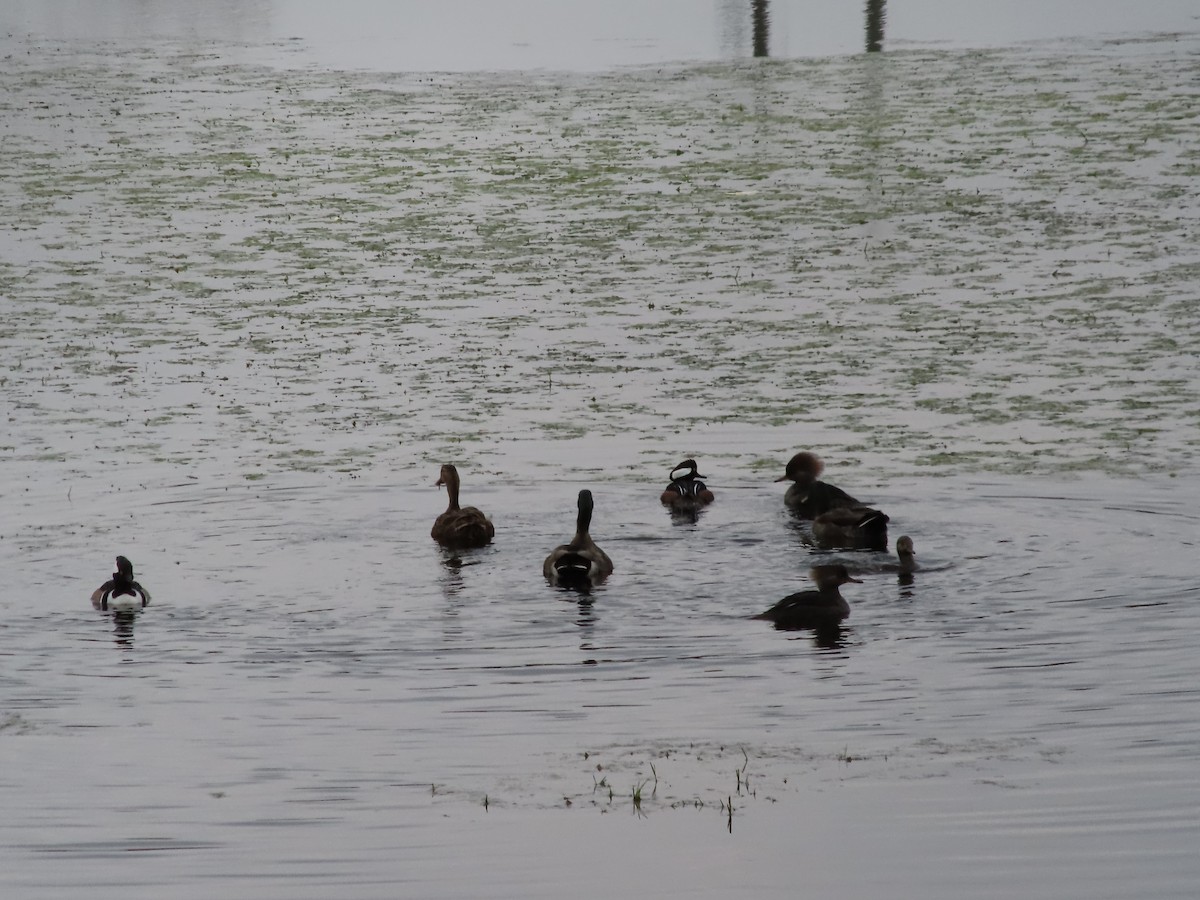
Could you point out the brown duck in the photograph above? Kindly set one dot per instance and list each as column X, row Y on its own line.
column 821, row 608
column 807, row 496
column 853, row 527
column 460, row 527
column 907, row 556
column 580, row 563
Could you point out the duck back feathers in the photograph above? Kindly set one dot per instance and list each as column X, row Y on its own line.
column 120, row 588
column 579, row 563
column 857, row 527
column 460, row 527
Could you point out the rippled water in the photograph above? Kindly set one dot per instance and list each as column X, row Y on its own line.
column 247, row 312
column 317, row 695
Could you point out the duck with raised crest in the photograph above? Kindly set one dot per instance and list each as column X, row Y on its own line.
column 807, row 496
column 687, row 492
column 121, row 589
column 580, row 563
column 460, row 527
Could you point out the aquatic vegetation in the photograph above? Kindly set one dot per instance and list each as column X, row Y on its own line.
column 989, row 252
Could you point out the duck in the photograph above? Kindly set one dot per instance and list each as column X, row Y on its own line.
column 687, row 493
column 808, row 497
column 855, row 527
column 460, row 527
column 121, row 589
column 907, row 557
column 580, row 563
column 814, row 609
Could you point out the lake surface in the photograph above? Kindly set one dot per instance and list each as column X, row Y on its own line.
column 246, row 310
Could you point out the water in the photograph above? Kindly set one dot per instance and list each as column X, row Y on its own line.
column 248, row 311
column 489, row 35
column 316, row 697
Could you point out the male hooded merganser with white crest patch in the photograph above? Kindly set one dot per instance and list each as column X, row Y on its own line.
column 458, row 527
column 814, row 609
column 807, row 496
column 687, row 492
column 121, row 589
column 580, row 563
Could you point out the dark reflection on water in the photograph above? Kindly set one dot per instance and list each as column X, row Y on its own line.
column 876, row 19
column 825, row 637
column 689, row 516
column 123, row 623
column 761, row 16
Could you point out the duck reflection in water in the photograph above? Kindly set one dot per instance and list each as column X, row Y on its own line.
column 123, row 622
column 453, row 564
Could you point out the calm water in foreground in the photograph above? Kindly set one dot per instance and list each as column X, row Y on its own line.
column 247, row 311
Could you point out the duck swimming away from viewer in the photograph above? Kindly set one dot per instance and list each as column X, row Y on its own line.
column 121, row 589
column 821, row 608
column 687, row 493
column 807, row 496
column 580, row 563
column 460, row 527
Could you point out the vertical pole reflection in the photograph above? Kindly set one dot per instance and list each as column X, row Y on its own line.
column 876, row 17
column 762, row 25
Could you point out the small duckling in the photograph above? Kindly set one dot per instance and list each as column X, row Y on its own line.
column 580, row 563
column 687, row 493
column 460, row 527
column 814, row 609
column 121, row 585
column 808, row 497
column 907, row 557
column 857, row 527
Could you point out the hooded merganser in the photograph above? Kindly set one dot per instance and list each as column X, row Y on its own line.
column 580, row 563
column 120, row 586
column 809, row 497
column 814, row 609
column 460, row 527
column 687, row 492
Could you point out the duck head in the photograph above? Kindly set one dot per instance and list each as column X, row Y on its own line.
column 827, row 577
column 585, row 503
column 904, row 546
column 803, row 468
column 124, row 569
column 689, row 471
